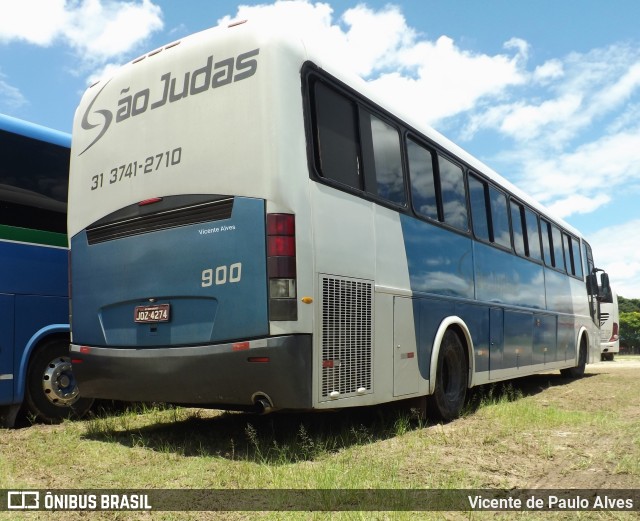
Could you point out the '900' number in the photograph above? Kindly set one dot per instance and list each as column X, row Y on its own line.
column 222, row 275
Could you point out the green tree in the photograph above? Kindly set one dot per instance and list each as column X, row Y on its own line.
column 629, row 305
column 630, row 329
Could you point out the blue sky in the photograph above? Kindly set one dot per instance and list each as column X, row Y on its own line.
column 546, row 92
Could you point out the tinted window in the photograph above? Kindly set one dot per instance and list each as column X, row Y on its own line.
column 478, row 208
column 572, row 255
column 577, row 258
column 388, row 161
column 546, row 242
column 500, row 218
column 33, row 183
column 558, row 253
column 566, row 245
column 423, row 190
column 533, row 234
column 454, row 200
column 336, row 126
column 517, row 215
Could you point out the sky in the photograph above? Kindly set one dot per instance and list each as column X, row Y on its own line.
column 545, row 92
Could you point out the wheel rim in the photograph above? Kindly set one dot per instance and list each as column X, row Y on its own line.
column 58, row 382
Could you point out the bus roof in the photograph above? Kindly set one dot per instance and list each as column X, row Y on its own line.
column 32, row 130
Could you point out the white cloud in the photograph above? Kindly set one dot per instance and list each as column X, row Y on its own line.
column 578, row 204
column 564, row 97
column 433, row 76
column 548, row 71
column 604, row 166
column 615, row 249
column 448, row 80
column 107, row 29
column 97, row 30
column 20, row 22
column 528, row 121
column 10, row 97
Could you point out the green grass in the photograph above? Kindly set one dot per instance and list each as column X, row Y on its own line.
column 512, row 435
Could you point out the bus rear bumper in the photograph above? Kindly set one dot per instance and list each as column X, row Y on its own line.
column 232, row 376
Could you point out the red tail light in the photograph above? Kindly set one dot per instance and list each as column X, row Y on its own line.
column 614, row 332
column 281, row 266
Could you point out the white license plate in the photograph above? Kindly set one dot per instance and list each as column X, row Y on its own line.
column 150, row 314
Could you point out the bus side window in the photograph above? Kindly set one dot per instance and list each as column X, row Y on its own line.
column 572, row 254
column 546, row 242
column 558, row 250
column 479, row 214
column 454, row 197
column 337, row 142
column 519, row 230
column 387, row 159
column 423, row 190
column 499, row 218
column 577, row 258
column 568, row 254
column 533, row 234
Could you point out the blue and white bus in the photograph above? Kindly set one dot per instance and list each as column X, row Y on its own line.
column 35, row 369
column 252, row 228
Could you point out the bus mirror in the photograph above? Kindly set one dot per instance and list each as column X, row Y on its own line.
column 592, row 284
column 605, row 294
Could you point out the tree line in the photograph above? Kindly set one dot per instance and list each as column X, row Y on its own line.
column 629, row 322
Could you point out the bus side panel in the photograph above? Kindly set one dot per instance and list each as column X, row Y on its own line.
column 7, row 375
column 32, row 269
column 213, row 276
column 503, row 278
column 440, row 261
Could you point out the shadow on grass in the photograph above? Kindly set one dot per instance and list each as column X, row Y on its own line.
column 277, row 438
column 512, row 390
column 282, row 438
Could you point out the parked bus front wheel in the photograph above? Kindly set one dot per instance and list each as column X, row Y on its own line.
column 578, row 370
column 51, row 391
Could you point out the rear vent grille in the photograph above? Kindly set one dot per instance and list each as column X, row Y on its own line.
column 347, row 336
column 163, row 220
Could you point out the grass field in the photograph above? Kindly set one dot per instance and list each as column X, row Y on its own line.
column 541, row 432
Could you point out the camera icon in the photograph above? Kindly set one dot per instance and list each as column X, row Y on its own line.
column 23, row 500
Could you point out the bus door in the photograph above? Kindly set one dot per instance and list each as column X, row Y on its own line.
column 6, row 348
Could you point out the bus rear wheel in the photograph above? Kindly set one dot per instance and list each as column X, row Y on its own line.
column 450, row 391
column 52, row 392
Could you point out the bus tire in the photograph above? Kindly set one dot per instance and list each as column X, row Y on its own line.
column 51, row 390
column 578, row 370
column 447, row 400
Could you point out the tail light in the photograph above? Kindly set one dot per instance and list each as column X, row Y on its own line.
column 614, row 332
column 281, row 266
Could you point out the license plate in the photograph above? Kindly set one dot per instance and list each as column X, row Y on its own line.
column 150, row 314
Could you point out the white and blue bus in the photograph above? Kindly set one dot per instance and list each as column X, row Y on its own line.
column 35, row 369
column 251, row 228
